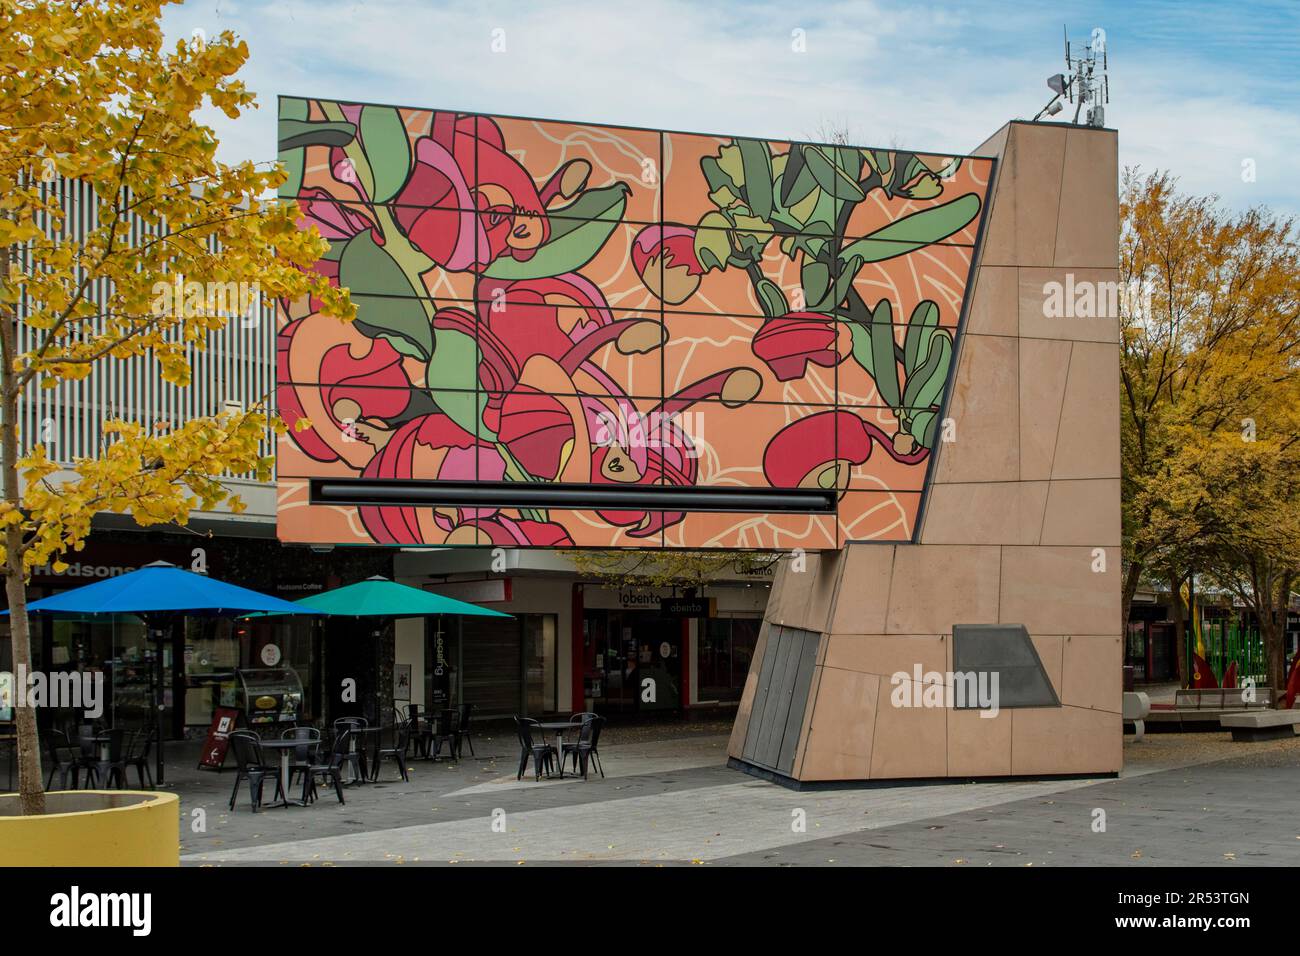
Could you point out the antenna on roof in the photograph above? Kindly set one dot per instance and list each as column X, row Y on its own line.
column 1084, row 81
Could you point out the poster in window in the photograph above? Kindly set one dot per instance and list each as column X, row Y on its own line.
column 401, row 681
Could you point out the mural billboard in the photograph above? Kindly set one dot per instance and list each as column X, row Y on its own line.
column 581, row 335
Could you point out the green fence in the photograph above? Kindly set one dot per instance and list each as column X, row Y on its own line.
column 1227, row 641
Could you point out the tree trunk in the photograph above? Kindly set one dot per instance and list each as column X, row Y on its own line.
column 30, row 788
column 1131, row 578
column 1272, row 628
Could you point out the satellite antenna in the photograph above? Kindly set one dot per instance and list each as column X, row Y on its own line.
column 1084, row 81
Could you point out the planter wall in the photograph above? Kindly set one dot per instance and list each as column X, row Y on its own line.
column 92, row 828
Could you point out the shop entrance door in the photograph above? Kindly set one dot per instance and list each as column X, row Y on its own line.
column 634, row 661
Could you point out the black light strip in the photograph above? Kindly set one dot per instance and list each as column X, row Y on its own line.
column 514, row 494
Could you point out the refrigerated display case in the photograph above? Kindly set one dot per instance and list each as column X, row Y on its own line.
column 270, row 695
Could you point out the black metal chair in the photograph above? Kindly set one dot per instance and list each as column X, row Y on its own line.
column 396, row 752
column 332, row 768
column 137, row 754
column 419, row 740
column 463, row 733
column 584, row 749
column 304, row 756
column 356, row 756
column 543, row 754
column 252, row 766
column 103, row 771
column 443, row 731
column 65, row 759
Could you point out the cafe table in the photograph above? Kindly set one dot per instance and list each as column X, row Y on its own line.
column 559, row 727
column 286, row 748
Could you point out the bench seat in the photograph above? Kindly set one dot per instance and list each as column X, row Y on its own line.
column 1261, row 724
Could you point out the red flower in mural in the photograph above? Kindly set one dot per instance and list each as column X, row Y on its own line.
column 432, row 446
column 820, row 450
column 537, row 430
column 664, row 258
column 789, row 342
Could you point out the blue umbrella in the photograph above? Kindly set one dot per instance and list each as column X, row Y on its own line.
column 162, row 588
column 158, row 591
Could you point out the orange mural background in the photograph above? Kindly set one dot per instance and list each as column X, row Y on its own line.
column 585, row 304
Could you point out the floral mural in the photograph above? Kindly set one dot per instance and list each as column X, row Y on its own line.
column 556, row 302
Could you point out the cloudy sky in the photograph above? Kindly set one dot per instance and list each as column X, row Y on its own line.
column 1205, row 90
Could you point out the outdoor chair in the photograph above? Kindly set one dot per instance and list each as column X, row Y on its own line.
column 137, row 754
column 356, row 756
column 303, row 756
column 584, row 749
column 102, row 773
column 543, row 754
column 252, row 766
column 332, row 768
column 419, row 740
column 463, row 734
column 442, row 731
column 396, row 752
column 65, row 759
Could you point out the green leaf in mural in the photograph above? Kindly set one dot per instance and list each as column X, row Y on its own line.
column 387, row 147
column 797, row 180
column 771, row 298
column 292, row 109
column 915, row 231
column 884, row 365
column 815, row 277
column 840, row 289
column 925, row 385
column 452, row 379
column 830, row 177
column 921, row 427
column 389, row 307
column 295, row 133
column 924, row 320
column 573, row 242
column 756, row 160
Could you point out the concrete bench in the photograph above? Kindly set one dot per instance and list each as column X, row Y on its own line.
column 1137, row 706
column 1222, row 698
column 1261, row 724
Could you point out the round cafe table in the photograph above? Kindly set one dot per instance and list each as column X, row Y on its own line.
column 286, row 748
column 559, row 727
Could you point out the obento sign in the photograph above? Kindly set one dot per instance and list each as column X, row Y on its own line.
column 597, row 336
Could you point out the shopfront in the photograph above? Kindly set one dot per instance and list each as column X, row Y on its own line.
column 573, row 644
column 271, row 669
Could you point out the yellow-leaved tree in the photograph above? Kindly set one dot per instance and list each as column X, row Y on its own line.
column 1210, row 331
column 89, row 94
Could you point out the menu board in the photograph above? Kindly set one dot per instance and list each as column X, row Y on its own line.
column 213, row 755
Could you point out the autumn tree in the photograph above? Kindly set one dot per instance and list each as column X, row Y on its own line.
column 668, row 568
column 90, row 94
column 1210, row 324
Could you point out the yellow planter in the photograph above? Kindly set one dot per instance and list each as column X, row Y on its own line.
column 93, row 828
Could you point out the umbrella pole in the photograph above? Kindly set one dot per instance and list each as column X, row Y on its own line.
column 156, row 635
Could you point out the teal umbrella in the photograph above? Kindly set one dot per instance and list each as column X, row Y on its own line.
column 380, row 597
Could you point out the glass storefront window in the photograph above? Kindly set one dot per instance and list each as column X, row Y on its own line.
column 726, row 648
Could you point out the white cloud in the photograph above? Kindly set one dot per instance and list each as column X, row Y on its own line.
column 926, row 77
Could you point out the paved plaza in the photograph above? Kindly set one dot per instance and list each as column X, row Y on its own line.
column 669, row 799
